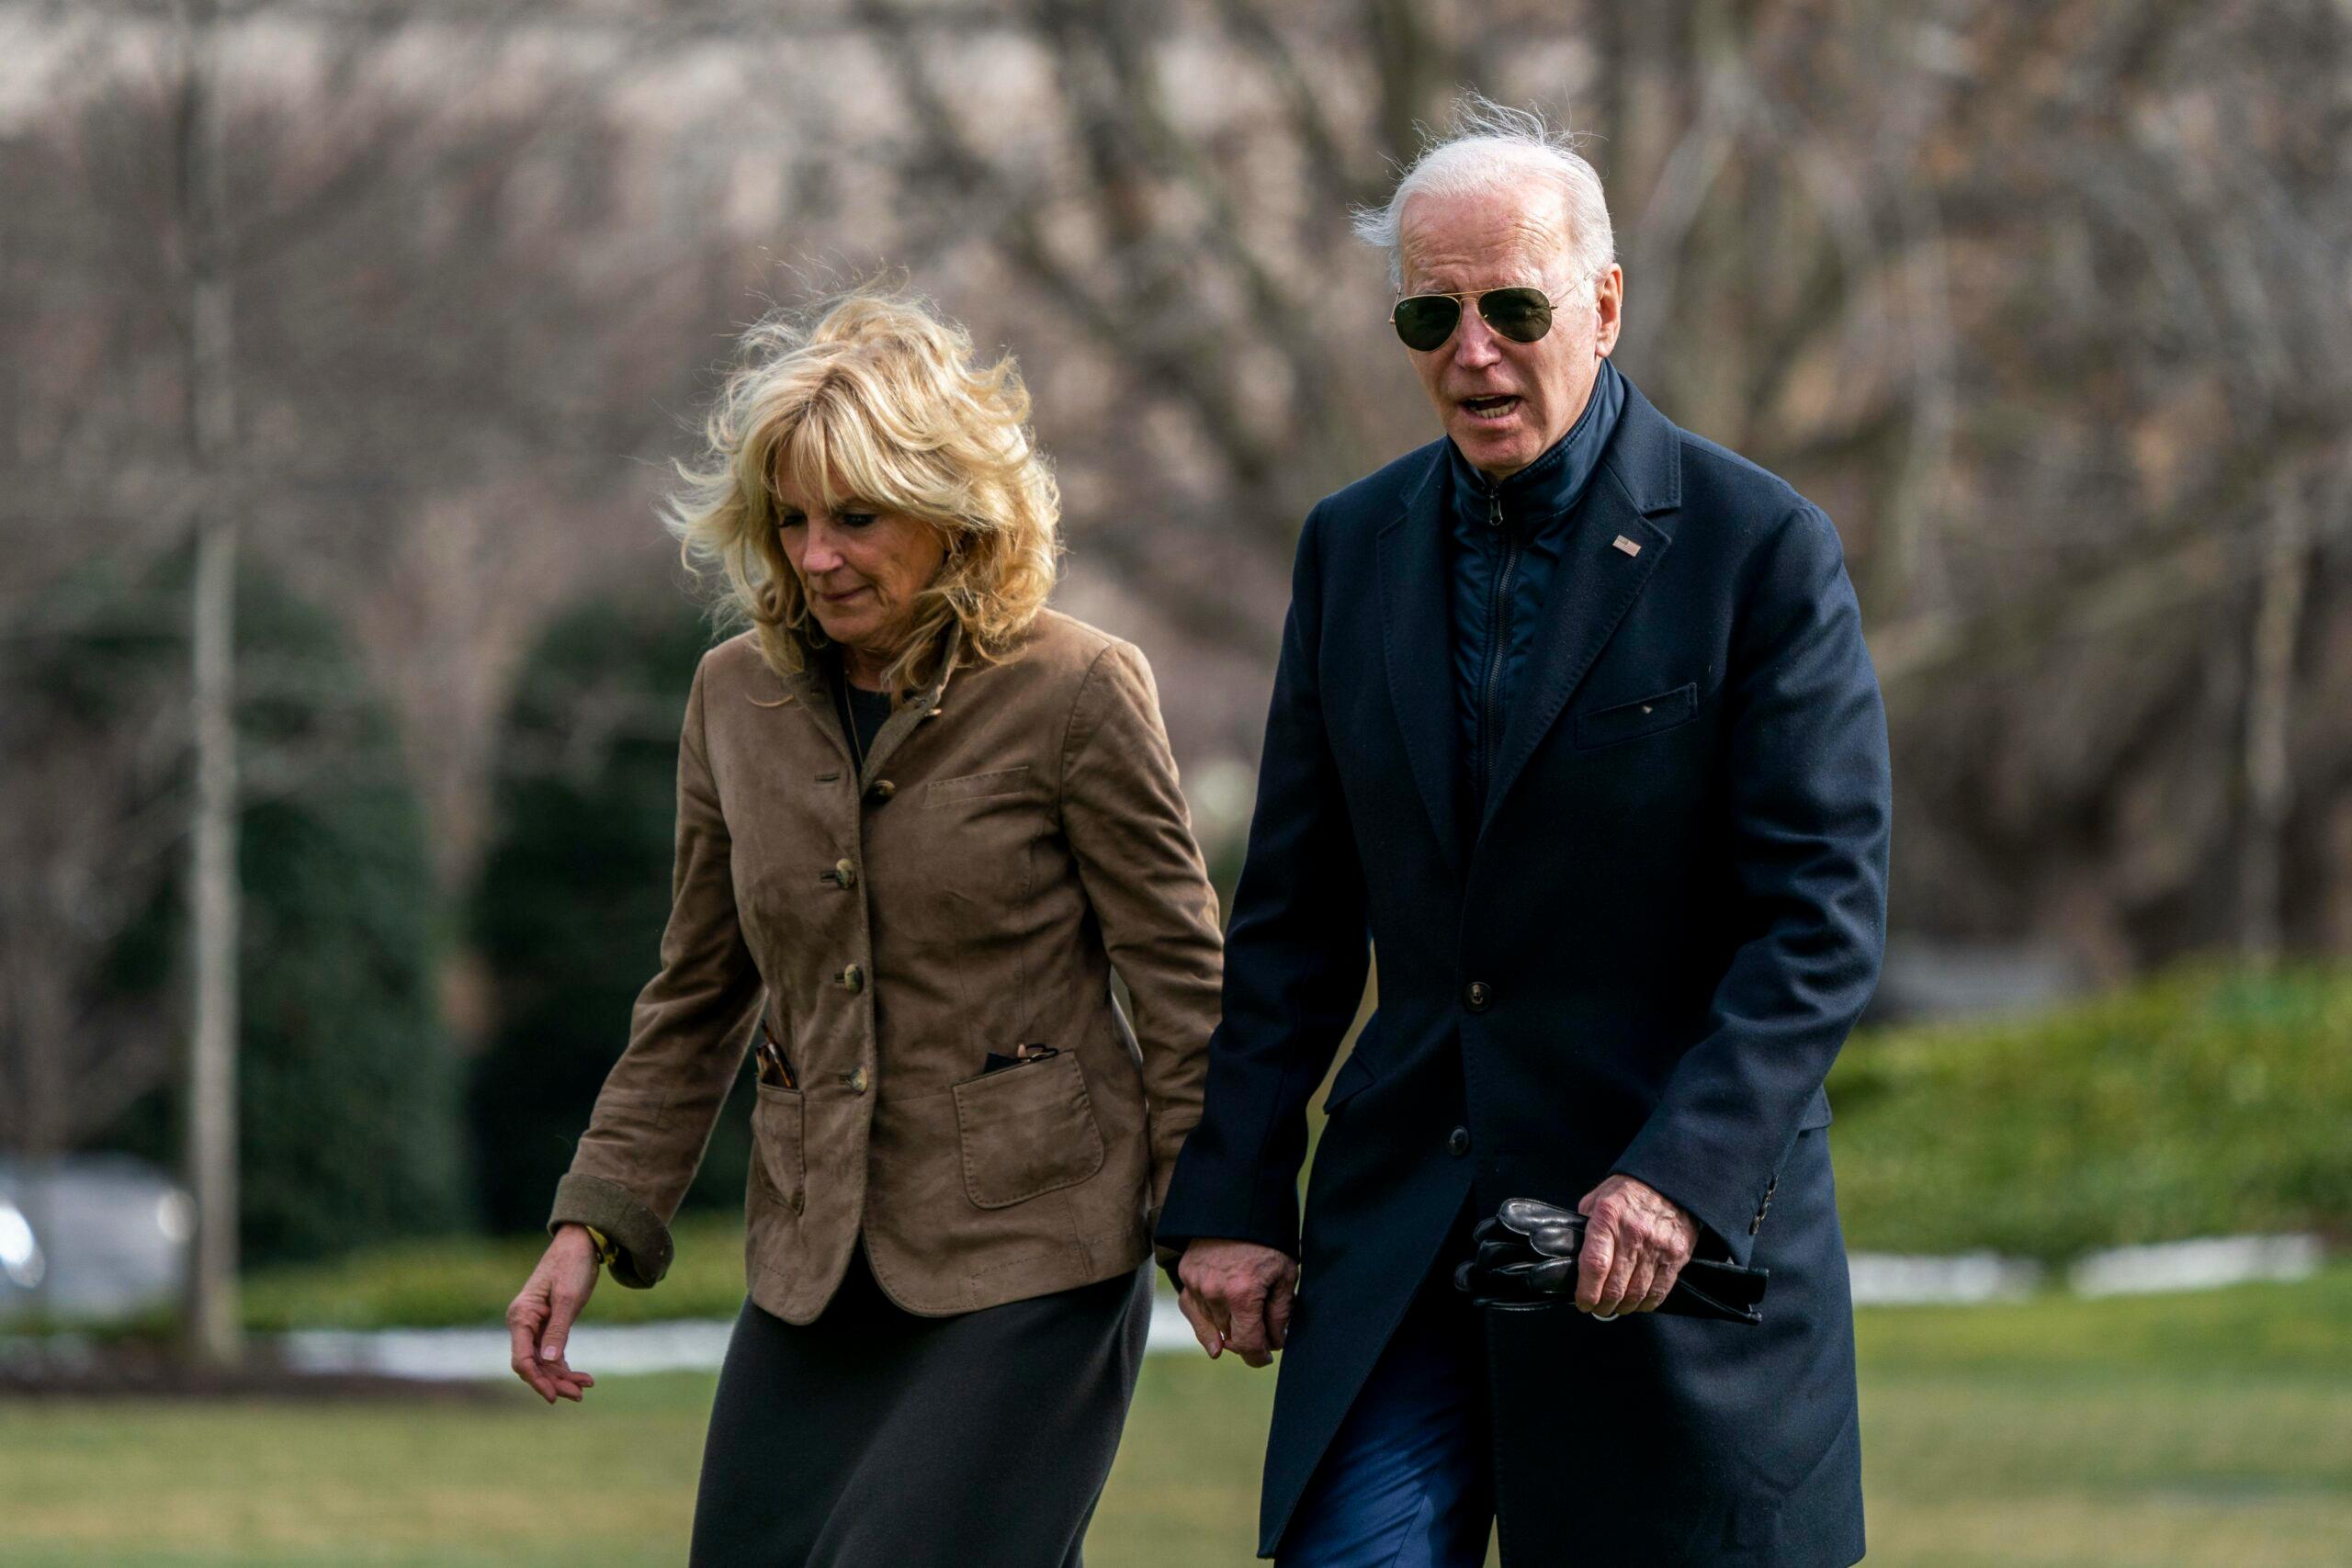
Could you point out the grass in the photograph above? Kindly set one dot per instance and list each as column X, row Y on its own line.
column 2186, row 1431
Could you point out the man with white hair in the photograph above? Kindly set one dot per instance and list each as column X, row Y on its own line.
column 1574, row 725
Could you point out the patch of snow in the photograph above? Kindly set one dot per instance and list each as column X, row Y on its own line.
column 2194, row 1265
column 1894, row 1279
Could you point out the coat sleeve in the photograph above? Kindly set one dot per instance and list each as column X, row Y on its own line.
column 1811, row 799
column 687, row 1036
column 1125, row 820
column 1296, row 953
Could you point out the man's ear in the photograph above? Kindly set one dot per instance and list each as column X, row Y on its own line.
column 1609, row 303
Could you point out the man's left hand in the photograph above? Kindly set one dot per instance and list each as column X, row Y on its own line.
column 1635, row 1242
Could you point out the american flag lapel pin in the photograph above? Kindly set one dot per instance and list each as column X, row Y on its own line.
column 1628, row 545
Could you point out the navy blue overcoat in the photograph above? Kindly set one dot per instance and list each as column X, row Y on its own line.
column 1642, row 957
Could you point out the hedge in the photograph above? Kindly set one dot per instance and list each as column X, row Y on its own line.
column 2203, row 1103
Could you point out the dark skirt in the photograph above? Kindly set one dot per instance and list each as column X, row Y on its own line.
column 874, row 1437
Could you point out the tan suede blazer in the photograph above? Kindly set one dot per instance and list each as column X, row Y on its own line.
column 1015, row 835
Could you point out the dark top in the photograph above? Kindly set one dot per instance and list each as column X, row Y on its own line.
column 1507, row 537
column 861, row 712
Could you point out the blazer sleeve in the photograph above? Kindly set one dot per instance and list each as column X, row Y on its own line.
column 687, row 1035
column 1296, row 953
column 1125, row 820
column 1811, row 796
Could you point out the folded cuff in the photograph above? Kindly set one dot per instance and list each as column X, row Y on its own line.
column 638, row 1231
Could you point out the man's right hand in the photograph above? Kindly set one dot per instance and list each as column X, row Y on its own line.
column 1236, row 1295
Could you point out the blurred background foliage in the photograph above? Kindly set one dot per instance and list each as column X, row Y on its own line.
column 2208, row 1102
column 576, row 874
column 349, row 1078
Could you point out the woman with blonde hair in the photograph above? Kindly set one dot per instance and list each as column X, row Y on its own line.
column 922, row 820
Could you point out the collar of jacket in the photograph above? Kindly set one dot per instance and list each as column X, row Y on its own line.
column 811, row 686
column 1548, row 489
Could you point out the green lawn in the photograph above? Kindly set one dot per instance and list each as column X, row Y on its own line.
column 2181, row 1431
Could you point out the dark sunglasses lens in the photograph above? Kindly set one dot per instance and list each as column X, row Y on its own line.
column 1522, row 315
column 1426, row 320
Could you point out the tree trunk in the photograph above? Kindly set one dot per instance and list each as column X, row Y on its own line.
column 213, row 1326
column 2270, row 693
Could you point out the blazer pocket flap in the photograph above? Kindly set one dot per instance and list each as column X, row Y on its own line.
column 977, row 787
column 1026, row 1130
column 1629, row 721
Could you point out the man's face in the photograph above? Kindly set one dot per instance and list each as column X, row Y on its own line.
column 1505, row 403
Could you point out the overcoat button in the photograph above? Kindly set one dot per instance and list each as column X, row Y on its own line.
column 883, row 789
column 1457, row 1143
column 851, row 979
column 857, row 1081
column 1478, row 995
column 845, row 875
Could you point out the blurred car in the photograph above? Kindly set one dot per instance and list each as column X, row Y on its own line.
column 21, row 1263
column 90, row 1237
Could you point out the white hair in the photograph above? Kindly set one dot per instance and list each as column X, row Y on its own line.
column 1494, row 147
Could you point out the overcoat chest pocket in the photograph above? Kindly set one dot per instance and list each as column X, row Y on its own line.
column 1630, row 721
column 1026, row 1131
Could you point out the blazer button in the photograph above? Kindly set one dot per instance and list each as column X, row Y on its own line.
column 883, row 789
column 1478, row 995
column 845, row 875
column 851, row 979
column 1457, row 1143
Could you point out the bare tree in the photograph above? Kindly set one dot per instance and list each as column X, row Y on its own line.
column 213, row 1326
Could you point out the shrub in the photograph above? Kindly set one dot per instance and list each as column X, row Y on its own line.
column 575, row 891
column 2204, row 1102
column 347, row 1085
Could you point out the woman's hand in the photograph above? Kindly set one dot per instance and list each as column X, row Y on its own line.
column 540, row 1318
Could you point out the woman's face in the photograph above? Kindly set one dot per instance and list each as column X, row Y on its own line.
column 861, row 568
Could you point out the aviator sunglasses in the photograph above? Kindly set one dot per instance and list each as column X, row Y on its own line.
column 1424, row 322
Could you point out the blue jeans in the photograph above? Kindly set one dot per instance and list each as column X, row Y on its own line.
column 1409, row 1482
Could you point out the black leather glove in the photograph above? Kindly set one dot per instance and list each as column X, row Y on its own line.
column 1525, row 1258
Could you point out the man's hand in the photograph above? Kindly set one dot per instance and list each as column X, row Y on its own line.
column 1236, row 1295
column 1635, row 1242
column 539, row 1319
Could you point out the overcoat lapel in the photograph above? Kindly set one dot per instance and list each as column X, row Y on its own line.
column 1597, row 580
column 1417, row 639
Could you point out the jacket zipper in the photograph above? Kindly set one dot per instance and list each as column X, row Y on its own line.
column 1497, row 605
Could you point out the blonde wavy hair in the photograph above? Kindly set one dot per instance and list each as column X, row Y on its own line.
column 877, row 398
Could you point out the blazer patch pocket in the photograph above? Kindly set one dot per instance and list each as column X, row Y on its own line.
column 779, row 1137
column 1026, row 1131
column 977, row 787
column 1630, row 721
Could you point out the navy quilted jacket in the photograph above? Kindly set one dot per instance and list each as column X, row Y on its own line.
column 1507, row 539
